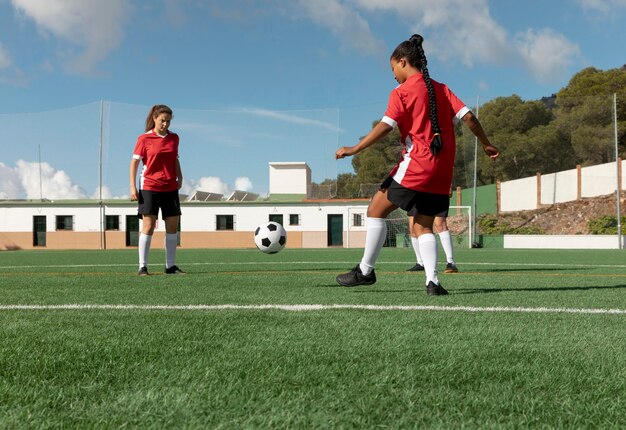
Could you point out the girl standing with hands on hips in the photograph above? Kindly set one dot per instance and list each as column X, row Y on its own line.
column 161, row 178
column 423, row 110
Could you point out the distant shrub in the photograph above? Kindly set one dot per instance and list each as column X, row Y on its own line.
column 491, row 224
column 605, row 225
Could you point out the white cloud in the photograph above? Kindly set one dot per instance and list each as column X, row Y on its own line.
column 5, row 59
column 45, row 181
column 290, row 118
column 243, row 183
column 344, row 22
column 10, row 183
column 546, row 54
column 211, row 184
column 460, row 31
column 106, row 193
column 93, row 25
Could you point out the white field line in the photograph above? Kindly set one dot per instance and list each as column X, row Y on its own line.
column 314, row 307
column 253, row 263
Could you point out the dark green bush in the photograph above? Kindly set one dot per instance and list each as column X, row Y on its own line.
column 490, row 224
column 605, row 225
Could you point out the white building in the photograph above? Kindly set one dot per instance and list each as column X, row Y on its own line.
column 113, row 224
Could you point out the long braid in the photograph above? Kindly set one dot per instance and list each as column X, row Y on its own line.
column 437, row 143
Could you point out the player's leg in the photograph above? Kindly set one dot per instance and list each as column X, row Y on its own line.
column 148, row 210
column 441, row 226
column 171, row 216
column 148, row 223
column 419, row 265
column 376, row 232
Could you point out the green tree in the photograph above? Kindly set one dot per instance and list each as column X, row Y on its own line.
column 373, row 165
column 585, row 112
column 510, row 123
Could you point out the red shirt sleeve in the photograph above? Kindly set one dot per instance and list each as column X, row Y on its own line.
column 140, row 148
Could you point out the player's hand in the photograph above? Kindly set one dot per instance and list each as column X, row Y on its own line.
column 491, row 151
column 134, row 195
column 344, row 151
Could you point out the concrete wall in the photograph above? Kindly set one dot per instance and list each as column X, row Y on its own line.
column 579, row 241
column 523, row 194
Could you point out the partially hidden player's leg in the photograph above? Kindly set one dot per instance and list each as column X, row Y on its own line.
column 419, row 265
column 423, row 228
column 171, row 241
column 441, row 227
column 376, row 232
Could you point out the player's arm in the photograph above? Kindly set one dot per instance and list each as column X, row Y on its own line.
column 379, row 131
column 470, row 120
column 179, row 174
column 134, row 166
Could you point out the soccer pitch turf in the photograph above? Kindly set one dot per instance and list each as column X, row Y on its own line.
column 248, row 340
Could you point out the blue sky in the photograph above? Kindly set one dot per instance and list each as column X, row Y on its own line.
column 257, row 81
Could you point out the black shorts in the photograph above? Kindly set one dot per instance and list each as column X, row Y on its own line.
column 413, row 201
column 151, row 201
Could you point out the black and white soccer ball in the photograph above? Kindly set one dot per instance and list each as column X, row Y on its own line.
column 270, row 237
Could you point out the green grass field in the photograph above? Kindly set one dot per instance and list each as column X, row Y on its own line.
column 525, row 339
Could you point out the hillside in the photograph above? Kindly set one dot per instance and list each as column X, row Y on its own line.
column 565, row 218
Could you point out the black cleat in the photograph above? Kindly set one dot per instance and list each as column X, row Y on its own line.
column 433, row 289
column 355, row 277
column 417, row 268
column 451, row 268
column 174, row 270
column 143, row 271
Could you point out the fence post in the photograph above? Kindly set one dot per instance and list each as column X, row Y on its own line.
column 538, row 190
column 579, row 182
column 498, row 195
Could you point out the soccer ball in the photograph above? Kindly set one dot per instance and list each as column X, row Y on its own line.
column 270, row 237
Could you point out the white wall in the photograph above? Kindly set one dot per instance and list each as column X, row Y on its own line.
column 519, row 194
column 579, row 241
column 289, row 178
column 559, row 187
column 196, row 216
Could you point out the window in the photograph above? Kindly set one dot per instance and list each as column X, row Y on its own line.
column 112, row 222
column 277, row 218
column 357, row 220
column 294, row 219
column 64, row 222
column 224, row 222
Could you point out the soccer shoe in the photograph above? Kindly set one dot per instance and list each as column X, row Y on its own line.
column 355, row 277
column 143, row 271
column 433, row 289
column 417, row 268
column 451, row 268
column 174, row 270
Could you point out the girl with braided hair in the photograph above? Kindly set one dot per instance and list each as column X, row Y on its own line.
column 423, row 110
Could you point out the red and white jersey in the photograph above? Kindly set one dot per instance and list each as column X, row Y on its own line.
column 408, row 109
column 159, row 155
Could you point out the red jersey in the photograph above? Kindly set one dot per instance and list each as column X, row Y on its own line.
column 408, row 109
column 159, row 155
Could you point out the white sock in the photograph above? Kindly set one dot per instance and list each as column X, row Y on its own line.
column 144, row 249
column 428, row 249
column 376, row 232
column 170, row 249
column 446, row 242
column 416, row 248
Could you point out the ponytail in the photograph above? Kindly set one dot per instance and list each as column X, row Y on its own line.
column 155, row 111
column 413, row 52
